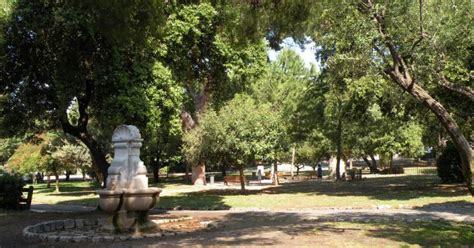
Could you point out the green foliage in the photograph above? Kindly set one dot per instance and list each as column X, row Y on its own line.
column 27, row 158
column 241, row 132
column 72, row 157
column 10, row 189
column 7, row 148
column 448, row 165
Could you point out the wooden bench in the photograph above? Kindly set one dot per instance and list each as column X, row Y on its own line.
column 25, row 203
column 268, row 175
column 234, row 179
column 355, row 174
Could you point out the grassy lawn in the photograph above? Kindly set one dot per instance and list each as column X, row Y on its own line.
column 400, row 234
column 415, row 191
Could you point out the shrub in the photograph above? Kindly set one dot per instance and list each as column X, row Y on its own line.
column 448, row 165
column 395, row 169
column 10, row 190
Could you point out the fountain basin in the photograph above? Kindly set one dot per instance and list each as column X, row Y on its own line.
column 141, row 199
column 110, row 200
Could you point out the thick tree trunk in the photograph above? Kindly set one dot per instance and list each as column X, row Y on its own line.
column 367, row 162
column 275, row 173
column 199, row 174
column 99, row 162
column 57, row 182
column 155, row 167
column 373, row 165
column 98, row 156
column 68, row 175
column 242, row 177
column 400, row 73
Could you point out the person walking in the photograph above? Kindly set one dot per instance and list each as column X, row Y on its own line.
column 320, row 171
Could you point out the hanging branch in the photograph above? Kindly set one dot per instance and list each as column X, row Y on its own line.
column 422, row 33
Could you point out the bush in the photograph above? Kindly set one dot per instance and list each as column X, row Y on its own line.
column 396, row 169
column 449, row 165
column 10, row 190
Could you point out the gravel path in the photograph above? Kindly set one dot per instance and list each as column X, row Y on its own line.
column 246, row 227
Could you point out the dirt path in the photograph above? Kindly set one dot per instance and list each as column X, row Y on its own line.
column 248, row 228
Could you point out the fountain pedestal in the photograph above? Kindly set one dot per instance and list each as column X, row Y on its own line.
column 127, row 195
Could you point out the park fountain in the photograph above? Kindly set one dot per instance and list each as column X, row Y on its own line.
column 127, row 195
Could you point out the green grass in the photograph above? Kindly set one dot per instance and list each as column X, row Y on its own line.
column 430, row 234
column 414, row 191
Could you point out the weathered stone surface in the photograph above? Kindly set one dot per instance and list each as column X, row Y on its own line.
column 65, row 238
column 108, row 238
column 69, row 224
column 53, row 238
column 80, row 238
column 59, row 225
column 79, row 223
column 90, row 222
column 97, row 239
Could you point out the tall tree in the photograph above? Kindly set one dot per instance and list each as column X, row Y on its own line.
column 96, row 55
column 209, row 61
column 399, row 39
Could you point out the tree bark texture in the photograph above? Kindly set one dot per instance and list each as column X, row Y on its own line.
column 275, row 173
column 339, row 149
column 199, row 174
column 242, row 177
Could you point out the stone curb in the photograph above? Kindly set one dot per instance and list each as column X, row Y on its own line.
column 385, row 219
column 401, row 206
column 42, row 231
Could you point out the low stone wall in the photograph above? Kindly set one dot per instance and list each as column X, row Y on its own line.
column 88, row 230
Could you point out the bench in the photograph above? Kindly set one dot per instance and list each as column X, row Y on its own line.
column 20, row 202
column 355, row 174
column 280, row 175
column 25, row 203
column 234, row 179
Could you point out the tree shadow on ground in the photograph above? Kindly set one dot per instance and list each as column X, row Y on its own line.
column 193, row 201
column 424, row 228
column 383, row 188
column 455, row 207
column 255, row 228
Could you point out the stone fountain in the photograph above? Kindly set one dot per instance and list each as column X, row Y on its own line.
column 127, row 195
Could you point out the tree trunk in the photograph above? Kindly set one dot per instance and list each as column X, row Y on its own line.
column 293, row 151
column 199, row 174
column 367, row 162
column 242, row 177
column 68, row 175
column 339, row 149
column 57, row 182
column 374, row 162
column 372, row 167
column 297, row 170
column 399, row 72
column 98, row 157
column 275, row 173
column 156, row 171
